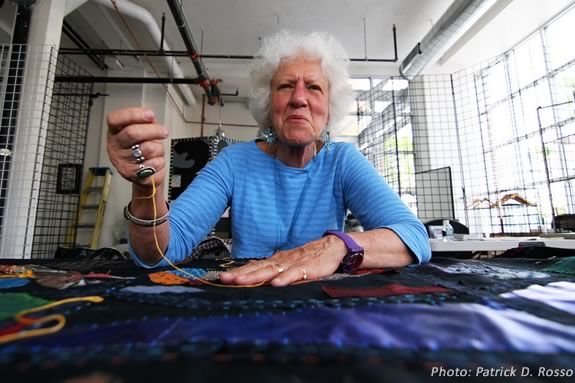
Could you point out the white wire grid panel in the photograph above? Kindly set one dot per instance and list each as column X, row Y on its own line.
column 43, row 129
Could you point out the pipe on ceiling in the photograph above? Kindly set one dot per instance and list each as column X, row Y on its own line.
column 164, row 52
column 80, row 43
column 144, row 16
column 125, row 80
column 460, row 15
column 211, row 87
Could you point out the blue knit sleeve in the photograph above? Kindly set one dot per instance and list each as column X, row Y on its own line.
column 376, row 205
column 197, row 209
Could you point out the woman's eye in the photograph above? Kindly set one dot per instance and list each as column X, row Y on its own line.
column 284, row 86
column 315, row 87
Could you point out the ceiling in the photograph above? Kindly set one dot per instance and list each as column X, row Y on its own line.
column 364, row 27
column 234, row 27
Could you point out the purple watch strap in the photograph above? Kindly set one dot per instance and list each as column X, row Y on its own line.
column 354, row 257
column 352, row 246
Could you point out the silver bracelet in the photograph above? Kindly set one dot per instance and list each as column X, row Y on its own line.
column 146, row 222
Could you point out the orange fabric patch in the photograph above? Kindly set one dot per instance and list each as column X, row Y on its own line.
column 167, row 278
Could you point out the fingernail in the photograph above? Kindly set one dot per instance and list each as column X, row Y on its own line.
column 276, row 282
column 149, row 114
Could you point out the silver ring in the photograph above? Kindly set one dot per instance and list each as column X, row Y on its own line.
column 145, row 171
column 304, row 276
column 278, row 268
column 140, row 159
column 136, row 151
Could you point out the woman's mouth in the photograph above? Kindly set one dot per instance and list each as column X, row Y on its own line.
column 297, row 117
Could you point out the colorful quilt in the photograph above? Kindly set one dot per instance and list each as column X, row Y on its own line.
column 452, row 316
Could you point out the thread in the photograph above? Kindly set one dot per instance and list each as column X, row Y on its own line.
column 58, row 318
column 175, row 267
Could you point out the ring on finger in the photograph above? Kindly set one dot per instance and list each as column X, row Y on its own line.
column 304, row 276
column 145, row 171
column 136, row 151
column 278, row 268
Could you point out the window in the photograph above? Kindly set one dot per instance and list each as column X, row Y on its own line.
column 504, row 129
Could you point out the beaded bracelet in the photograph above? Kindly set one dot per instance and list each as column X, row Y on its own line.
column 146, row 222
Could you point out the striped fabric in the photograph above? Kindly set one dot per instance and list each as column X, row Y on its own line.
column 276, row 207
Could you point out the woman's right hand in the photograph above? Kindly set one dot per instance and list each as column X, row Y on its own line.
column 136, row 126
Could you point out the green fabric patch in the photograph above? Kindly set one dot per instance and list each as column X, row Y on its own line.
column 563, row 265
column 12, row 303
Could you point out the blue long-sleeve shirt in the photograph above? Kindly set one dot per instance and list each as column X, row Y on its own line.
column 277, row 207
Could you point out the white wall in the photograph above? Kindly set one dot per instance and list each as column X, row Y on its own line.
column 92, row 154
column 119, row 96
column 236, row 120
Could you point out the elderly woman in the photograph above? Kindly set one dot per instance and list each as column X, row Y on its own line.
column 288, row 191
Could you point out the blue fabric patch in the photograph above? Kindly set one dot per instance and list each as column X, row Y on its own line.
column 198, row 273
column 159, row 289
column 8, row 283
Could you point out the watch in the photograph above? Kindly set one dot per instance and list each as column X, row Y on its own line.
column 354, row 255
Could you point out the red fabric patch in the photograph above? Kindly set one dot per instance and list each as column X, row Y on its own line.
column 11, row 329
column 381, row 291
column 374, row 271
column 98, row 275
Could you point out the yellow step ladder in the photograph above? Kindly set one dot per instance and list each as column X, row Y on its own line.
column 92, row 199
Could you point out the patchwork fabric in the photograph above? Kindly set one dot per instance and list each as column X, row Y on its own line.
column 11, row 328
column 492, row 271
column 160, row 290
column 407, row 327
column 7, row 283
column 14, row 271
column 398, row 323
column 563, row 265
column 381, row 291
column 167, row 278
column 211, row 248
column 189, row 276
column 557, row 294
column 61, row 281
column 12, row 303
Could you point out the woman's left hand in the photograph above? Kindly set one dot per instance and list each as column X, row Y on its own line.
column 313, row 260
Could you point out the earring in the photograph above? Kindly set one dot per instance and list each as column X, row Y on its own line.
column 326, row 140
column 269, row 135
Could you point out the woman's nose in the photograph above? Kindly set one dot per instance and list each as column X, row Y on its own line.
column 298, row 97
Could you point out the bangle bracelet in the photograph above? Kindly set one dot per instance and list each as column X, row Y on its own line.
column 146, row 222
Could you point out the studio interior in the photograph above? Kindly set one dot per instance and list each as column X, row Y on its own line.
column 466, row 108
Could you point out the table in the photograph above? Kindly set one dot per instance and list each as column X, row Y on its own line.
column 397, row 325
column 499, row 244
column 567, row 235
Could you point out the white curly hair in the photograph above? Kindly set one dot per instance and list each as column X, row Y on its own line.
column 285, row 45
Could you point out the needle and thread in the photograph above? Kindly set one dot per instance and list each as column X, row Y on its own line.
column 153, row 195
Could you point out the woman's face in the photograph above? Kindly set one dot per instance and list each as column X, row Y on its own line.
column 299, row 101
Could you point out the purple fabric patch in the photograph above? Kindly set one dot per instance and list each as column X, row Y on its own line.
column 410, row 327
